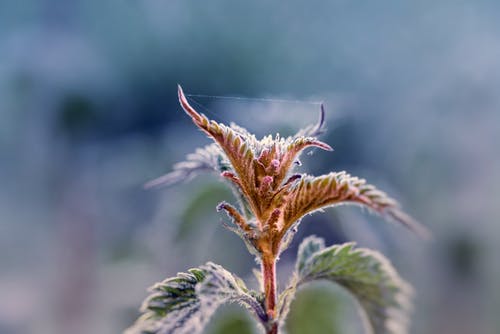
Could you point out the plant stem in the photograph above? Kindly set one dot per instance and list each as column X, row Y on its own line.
column 269, row 281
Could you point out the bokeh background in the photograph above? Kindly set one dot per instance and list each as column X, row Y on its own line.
column 88, row 114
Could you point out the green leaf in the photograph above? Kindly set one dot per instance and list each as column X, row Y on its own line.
column 307, row 248
column 382, row 294
column 185, row 303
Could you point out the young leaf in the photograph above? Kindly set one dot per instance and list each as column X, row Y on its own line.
column 382, row 294
column 313, row 193
column 235, row 145
column 259, row 167
column 184, row 304
column 208, row 158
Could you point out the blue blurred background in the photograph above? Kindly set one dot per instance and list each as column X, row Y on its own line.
column 88, row 114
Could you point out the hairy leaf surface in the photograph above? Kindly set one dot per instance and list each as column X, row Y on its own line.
column 205, row 159
column 307, row 248
column 366, row 274
column 185, row 303
column 312, row 193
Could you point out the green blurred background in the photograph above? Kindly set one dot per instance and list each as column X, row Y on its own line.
column 88, row 114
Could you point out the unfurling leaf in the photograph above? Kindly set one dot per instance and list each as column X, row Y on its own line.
column 382, row 294
column 184, row 304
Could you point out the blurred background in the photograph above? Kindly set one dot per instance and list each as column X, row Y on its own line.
column 88, row 114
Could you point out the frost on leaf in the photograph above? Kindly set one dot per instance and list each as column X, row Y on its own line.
column 206, row 159
column 313, row 193
column 185, row 303
column 214, row 157
column 307, row 248
column 232, row 142
column 369, row 277
column 272, row 200
column 258, row 167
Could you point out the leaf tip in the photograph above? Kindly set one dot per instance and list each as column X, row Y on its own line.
column 325, row 146
column 422, row 231
column 164, row 180
column 221, row 206
column 186, row 106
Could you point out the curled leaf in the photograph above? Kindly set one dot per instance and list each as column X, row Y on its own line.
column 382, row 294
column 384, row 297
column 185, row 303
column 316, row 129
